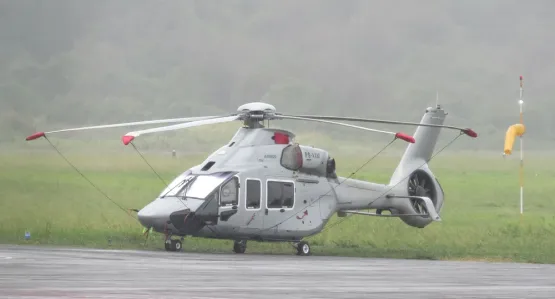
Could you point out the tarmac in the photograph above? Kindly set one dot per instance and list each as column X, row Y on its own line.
column 45, row 272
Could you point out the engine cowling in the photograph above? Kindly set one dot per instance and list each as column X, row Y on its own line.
column 307, row 159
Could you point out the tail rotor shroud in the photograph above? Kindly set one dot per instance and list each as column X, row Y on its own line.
column 420, row 184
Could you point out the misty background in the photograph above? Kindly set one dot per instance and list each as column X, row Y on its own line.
column 74, row 63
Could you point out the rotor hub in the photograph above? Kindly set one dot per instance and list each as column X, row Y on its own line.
column 257, row 111
column 254, row 113
column 421, row 191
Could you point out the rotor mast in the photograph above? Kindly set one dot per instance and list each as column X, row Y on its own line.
column 254, row 123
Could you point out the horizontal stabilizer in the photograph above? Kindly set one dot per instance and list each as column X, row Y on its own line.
column 430, row 208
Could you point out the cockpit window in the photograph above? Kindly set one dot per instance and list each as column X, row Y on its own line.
column 201, row 186
column 195, row 186
column 176, row 184
column 230, row 193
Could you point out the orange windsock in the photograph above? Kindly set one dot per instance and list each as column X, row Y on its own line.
column 513, row 131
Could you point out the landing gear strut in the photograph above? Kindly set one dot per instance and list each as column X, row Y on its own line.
column 173, row 245
column 303, row 248
column 240, row 246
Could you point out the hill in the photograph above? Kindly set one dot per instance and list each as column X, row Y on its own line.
column 66, row 63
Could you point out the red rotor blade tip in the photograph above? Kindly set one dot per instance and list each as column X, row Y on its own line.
column 470, row 133
column 127, row 139
column 35, row 136
column 520, row 77
column 405, row 137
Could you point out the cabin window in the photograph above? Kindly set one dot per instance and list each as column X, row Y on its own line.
column 280, row 195
column 254, row 194
column 229, row 193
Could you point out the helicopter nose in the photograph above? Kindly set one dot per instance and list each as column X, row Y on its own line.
column 155, row 215
column 149, row 218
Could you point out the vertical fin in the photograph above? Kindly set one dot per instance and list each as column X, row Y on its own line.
column 426, row 139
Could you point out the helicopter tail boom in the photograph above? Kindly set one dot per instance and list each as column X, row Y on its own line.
column 419, row 153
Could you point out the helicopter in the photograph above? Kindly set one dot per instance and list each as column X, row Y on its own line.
column 263, row 186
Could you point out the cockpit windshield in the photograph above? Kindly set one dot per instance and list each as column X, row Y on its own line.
column 176, row 184
column 195, row 186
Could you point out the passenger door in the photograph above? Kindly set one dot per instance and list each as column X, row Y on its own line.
column 253, row 221
column 279, row 203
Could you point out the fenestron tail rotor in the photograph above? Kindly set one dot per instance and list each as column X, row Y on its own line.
column 420, row 184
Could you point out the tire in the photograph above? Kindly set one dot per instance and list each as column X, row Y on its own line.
column 303, row 248
column 176, row 245
column 239, row 246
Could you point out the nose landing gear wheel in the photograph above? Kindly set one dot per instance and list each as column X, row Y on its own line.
column 303, row 248
column 176, row 245
column 173, row 245
column 240, row 246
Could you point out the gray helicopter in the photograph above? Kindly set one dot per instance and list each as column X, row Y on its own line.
column 263, row 186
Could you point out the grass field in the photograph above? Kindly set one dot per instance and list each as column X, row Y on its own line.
column 42, row 194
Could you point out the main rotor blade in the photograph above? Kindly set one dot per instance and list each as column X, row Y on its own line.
column 399, row 135
column 137, row 123
column 131, row 135
column 466, row 131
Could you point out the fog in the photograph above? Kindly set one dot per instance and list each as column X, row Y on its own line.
column 72, row 63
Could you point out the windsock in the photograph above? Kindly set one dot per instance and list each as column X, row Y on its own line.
column 512, row 132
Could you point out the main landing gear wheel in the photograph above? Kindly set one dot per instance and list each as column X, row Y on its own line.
column 240, row 246
column 173, row 245
column 303, row 248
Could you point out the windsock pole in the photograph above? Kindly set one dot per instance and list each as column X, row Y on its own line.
column 521, row 102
